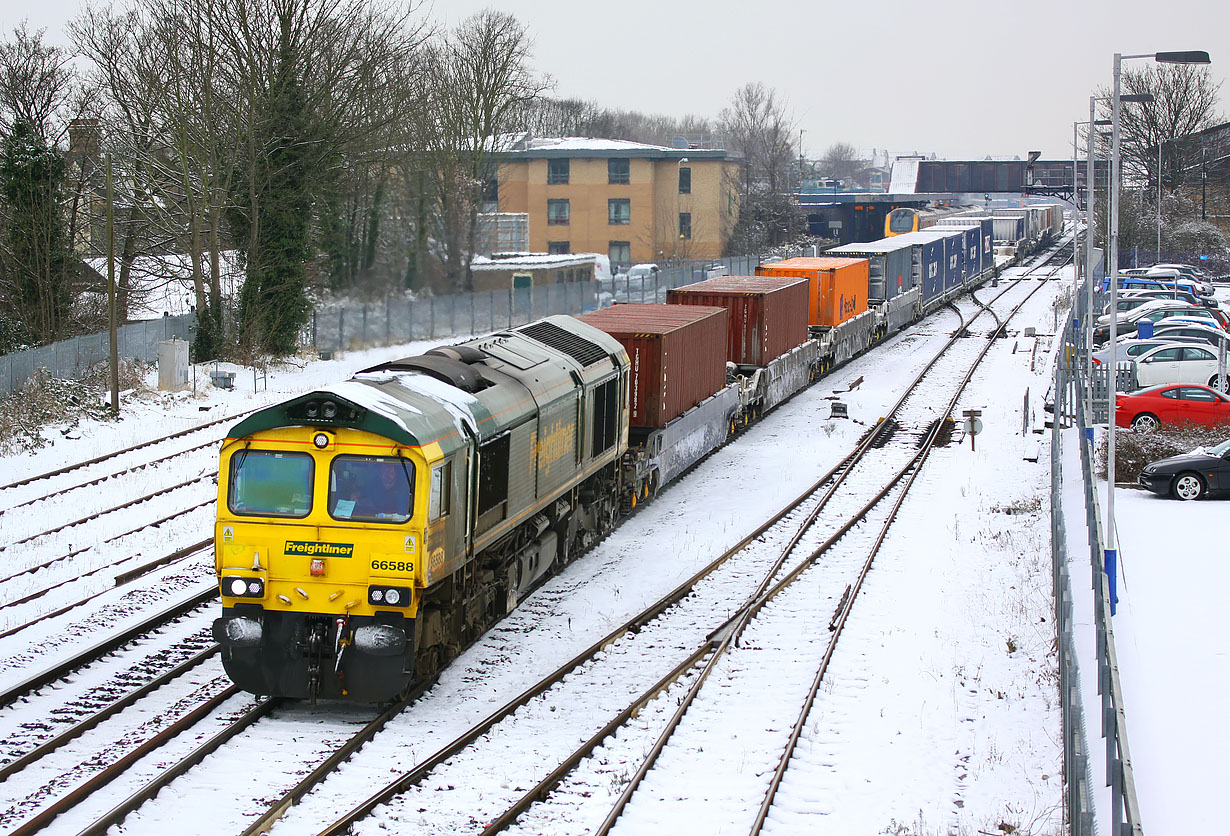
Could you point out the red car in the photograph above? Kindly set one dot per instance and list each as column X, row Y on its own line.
column 1171, row 403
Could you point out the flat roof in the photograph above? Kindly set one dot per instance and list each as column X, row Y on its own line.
column 580, row 146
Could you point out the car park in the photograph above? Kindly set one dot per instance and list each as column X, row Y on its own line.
column 1178, row 364
column 1202, row 472
column 1146, row 409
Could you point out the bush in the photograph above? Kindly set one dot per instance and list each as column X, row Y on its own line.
column 46, row 401
column 1134, row 450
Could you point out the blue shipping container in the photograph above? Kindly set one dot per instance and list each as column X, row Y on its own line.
column 889, row 265
column 927, row 261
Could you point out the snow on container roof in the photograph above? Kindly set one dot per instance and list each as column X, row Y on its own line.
column 884, row 245
column 741, row 284
column 812, row 263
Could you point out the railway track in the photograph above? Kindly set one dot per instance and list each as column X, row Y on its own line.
column 640, row 660
column 686, row 670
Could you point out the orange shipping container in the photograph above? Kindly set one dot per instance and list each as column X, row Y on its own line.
column 837, row 287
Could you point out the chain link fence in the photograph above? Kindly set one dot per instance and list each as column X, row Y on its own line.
column 334, row 328
column 71, row 359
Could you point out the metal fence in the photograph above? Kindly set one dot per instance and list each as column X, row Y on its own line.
column 1071, row 391
column 1216, row 265
column 342, row 327
column 73, row 358
column 338, row 327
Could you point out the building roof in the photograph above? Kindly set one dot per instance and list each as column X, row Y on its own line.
column 531, row 261
column 530, row 147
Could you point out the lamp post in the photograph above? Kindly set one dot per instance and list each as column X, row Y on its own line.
column 1090, row 199
column 1191, row 57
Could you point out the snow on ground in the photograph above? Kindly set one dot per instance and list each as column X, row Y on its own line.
column 959, row 728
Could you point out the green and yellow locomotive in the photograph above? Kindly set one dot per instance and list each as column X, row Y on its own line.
column 367, row 532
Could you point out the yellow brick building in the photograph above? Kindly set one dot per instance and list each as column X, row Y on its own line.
column 632, row 202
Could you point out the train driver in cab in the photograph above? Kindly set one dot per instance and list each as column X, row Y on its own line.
column 372, row 489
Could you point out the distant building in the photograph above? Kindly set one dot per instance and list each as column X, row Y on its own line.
column 634, row 202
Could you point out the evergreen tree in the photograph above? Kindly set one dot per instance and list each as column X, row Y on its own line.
column 273, row 305
column 37, row 263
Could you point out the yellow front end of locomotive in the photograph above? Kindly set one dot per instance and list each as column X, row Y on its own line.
column 321, row 522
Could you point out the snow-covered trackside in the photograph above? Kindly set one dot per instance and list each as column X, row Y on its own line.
column 950, row 725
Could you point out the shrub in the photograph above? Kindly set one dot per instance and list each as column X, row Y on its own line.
column 1134, row 450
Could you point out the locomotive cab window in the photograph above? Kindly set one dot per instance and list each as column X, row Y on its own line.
column 269, row 484
column 371, row 489
column 441, row 481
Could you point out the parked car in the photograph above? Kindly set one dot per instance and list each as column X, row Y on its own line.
column 1170, row 274
column 637, row 284
column 1156, row 310
column 1130, row 301
column 1130, row 348
column 1178, row 328
column 1202, row 472
column 1177, row 294
column 1187, row 270
column 1146, row 409
column 1178, row 364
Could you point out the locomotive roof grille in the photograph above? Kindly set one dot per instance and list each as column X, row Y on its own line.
column 579, row 348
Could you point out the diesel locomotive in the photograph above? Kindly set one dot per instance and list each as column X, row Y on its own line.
column 368, row 531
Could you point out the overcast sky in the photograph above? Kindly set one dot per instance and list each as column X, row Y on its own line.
column 958, row 78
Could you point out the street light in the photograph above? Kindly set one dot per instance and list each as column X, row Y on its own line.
column 1090, row 199
column 1189, row 57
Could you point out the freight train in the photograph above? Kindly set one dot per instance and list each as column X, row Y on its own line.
column 367, row 532
column 1022, row 228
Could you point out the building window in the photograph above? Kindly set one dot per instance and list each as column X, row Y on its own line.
column 559, row 247
column 619, row 211
column 557, row 212
column 685, row 225
column 617, row 172
column 685, row 180
column 557, row 172
column 619, row 252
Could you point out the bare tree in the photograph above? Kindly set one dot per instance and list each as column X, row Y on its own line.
column 757, row 126
column 1184, row 102
column 841, row 161
column 480, row 80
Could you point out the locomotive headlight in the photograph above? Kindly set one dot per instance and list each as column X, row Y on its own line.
column 238, row 587
column 321, row 440
column 329, row 410
column 389, row 596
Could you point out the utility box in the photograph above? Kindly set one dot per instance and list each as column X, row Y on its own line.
column 173, row 365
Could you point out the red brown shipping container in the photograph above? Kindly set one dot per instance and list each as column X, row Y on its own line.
column 677, row 356
column 768, row 314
